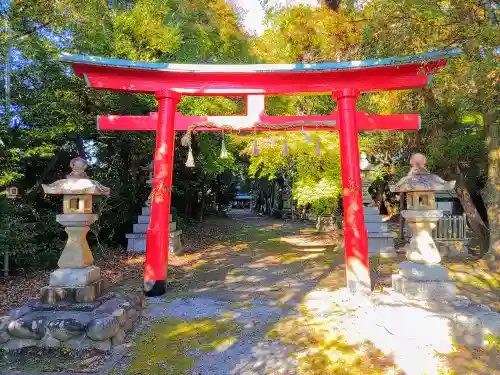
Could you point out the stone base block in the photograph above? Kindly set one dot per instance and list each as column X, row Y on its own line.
column 423, row 272
column 143, row 227
column 75, row 277
column 425, row 290
column 99, row 328
column 381, row 244
column 87, row 293
column 137, row 242
column 453, row 248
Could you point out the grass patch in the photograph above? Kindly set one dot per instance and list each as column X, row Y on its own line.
column 169, row 347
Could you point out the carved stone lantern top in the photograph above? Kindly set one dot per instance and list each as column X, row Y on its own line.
column 364, row 164
column 419, row 179
column 77, row 189
column 77, row 182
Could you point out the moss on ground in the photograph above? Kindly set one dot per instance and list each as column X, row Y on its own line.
column 171, row 346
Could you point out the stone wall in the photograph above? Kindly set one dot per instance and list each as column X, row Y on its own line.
column 100, row 324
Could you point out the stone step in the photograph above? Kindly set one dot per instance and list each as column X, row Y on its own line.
column 143, row 227
column 373, row 218
column 137, row 242
column 143, row 219
column 376, row 228
column 381, row 244
column 146, row 218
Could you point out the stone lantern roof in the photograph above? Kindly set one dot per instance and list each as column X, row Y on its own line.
column 77, row 182
column 420, row 179
column 364, row 164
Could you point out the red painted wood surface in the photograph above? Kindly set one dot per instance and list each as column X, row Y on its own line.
column 355, row 234
column 364, row 122
column 391, row 77
column 347, row 83
column 155, row 271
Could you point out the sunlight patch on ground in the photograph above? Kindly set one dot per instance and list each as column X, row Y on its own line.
column 171, row 346
column 135, row 260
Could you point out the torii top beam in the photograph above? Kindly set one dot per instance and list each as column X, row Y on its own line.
column 395, row 73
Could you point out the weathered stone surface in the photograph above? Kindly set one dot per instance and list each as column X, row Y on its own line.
column 15, row 344
column 78, row 343
column 103, row 346
column 88, row 293
column 132, row 315
column 423, row 272
column 101, row 329
column 490, row 323
column 119, row 338
column 50, row 342
column 18, row 312
column 121, row 315
column 4, row 324
column 75, row 277
column 27, row 328
column 430, row 290
column 64, row 329
column 468, row 330
column 4, row 337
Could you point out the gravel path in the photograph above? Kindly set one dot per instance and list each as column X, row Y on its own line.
column 253, row 280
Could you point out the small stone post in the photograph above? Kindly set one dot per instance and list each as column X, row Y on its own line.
column 77, row 279
column 149, row 181
column 366, row 167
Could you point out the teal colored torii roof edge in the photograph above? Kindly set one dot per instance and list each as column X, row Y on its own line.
column 253, row 68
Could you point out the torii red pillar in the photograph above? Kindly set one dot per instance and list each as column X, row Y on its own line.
column 155, row 271
column 355, row 234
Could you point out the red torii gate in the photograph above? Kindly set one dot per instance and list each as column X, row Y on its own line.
column 346, row 81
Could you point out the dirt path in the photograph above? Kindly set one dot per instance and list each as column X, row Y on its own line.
column 218, row 315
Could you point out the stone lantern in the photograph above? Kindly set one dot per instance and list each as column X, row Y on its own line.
column 422, row 276
column 77, row 279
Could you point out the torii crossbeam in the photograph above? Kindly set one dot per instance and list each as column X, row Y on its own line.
column 345, row 81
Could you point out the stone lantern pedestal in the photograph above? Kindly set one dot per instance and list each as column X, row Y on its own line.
column 73, row 311
column 422, row 277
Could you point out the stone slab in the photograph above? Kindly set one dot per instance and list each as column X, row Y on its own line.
column 68, row 306
column 57, row 294
column 371, row 211
column 137, row 242
column 376, row 227
column 453, row 248
column 143, row 219
column 423, row 272
column 424, row 290
column 75, row 277
column 373, row 219
column 381, row 244
column 143, row 227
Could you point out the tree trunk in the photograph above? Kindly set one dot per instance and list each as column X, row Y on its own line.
column 492, row 126
column 476, row 222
